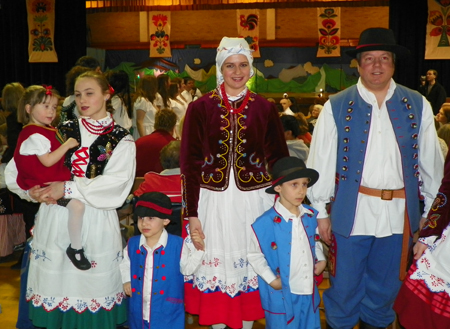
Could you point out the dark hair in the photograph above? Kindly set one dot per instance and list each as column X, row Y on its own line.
column 290, row 123
column 72, row 75
column 147, row 88
column 165, row 119
column 102, row 82
column 32, row 96
column 163, row 90
column 173, row 90
column 120, row 82
column 187, row 79
column 434, row 72
column 88, row 61
column 170, row 155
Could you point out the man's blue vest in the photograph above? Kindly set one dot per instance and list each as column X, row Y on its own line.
column 167, row 299
column 274, row 235
column 353, row 116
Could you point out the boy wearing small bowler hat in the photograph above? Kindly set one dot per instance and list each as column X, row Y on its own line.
column 151, row 267
column 283, row 250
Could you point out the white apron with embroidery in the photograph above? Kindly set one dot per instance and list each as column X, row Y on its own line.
column 433, row 267
column 226, row 219
column 53, row 281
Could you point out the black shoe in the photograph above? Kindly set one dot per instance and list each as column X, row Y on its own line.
column 82, row 264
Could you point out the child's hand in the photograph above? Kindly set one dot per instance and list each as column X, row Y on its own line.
column 71, row 142
column 319, row 267
column 127, row 288
column 276, row 284
column 197, row 239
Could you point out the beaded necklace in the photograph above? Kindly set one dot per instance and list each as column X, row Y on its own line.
column 96, row 130
column 227, row 103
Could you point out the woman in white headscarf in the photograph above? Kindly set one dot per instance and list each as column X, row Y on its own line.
column 230, row 136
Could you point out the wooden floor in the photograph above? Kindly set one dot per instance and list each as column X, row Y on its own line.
column 9, row 299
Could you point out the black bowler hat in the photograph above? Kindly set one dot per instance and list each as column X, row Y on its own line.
column 153, row 204
column 290, row 168
column 378, row 38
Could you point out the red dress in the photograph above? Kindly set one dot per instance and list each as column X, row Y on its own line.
column 31, row 171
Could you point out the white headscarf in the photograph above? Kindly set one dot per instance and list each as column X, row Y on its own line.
column 229, row 47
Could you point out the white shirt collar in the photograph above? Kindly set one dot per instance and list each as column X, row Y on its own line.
column 369, row 97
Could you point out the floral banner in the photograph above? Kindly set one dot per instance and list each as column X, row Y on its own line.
column 41, row 24
column 159, row 29
column 437, row 45
column 329, row 29
column 248, row 28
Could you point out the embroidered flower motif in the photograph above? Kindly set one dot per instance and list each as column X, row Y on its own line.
column 106, row 152
column 277, row 219
column 93, row 264
column 316, row 237
column 274, row 245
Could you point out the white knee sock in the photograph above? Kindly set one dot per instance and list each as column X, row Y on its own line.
column 247, row 324
column 75, row 222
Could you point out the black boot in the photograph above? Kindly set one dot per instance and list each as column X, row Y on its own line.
column 364, row 325
column 82, row 264
column 328, row 326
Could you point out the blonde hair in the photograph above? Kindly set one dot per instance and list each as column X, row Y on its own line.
column 444, row 133
column 11, row 94
column 32, row 96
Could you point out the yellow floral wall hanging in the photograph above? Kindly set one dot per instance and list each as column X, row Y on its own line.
column 41, row 26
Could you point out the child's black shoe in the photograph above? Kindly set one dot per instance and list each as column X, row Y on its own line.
column 82, row 264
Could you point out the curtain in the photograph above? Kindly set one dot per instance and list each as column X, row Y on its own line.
column 409, row 27
column 70, row 44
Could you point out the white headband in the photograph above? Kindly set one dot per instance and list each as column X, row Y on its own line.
column 229, row 47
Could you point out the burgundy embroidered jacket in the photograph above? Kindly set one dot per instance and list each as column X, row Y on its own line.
column 215, row 140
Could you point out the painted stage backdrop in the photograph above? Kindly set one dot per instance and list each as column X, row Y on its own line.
column 278, row 70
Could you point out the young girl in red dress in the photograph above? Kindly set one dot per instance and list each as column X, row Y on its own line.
column 39, row 157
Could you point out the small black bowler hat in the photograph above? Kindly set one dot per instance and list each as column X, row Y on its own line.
column 290, row 168
column 153, row 204
column 378, row 38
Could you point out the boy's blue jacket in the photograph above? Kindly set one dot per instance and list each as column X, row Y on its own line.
column 274, row 236
column 166, row 303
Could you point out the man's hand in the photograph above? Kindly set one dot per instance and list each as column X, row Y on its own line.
column 324, row 226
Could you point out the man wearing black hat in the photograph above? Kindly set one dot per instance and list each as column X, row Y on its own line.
column 376, row 150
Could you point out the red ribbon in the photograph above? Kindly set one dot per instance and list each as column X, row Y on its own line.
column 111, row 90
column 48, row 90
column 151, row 205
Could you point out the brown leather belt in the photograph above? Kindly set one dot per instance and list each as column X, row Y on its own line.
column 383, row 194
